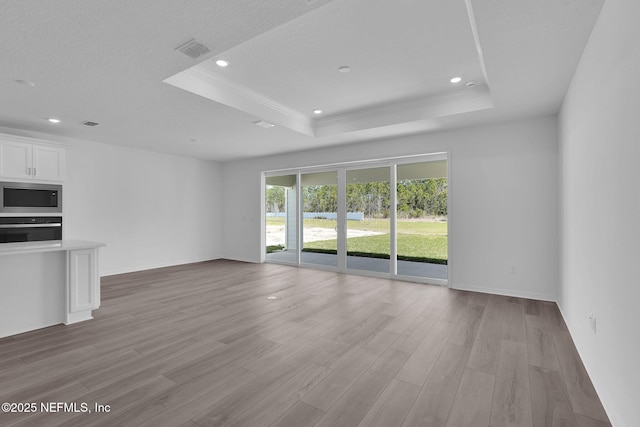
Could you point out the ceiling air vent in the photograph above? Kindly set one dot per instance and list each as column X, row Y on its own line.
column 193, row 48
column 89, row 123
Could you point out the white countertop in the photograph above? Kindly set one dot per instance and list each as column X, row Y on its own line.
column 46, row 246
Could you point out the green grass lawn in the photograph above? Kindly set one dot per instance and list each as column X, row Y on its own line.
column 420, row 241
column 379, row 225
column 272, row 220
column 411, row 247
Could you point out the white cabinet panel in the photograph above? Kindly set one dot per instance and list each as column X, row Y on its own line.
column 83, row 285
column 32, row 289
column 48, row 163
column 15, row 159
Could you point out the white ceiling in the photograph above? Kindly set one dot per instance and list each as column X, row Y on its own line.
column 114, row 62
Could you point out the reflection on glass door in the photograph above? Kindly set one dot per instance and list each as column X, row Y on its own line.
column 281, row 218
column 320, row 218
column 421, row 227
column 368, row 195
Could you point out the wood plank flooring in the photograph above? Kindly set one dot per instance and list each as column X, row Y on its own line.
column 201, row 345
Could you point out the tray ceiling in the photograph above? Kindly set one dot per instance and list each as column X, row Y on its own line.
column 115, row 63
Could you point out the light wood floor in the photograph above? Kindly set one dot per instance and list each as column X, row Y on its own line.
column 202, row 345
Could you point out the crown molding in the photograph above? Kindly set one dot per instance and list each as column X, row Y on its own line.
column 406, row 111
column 203, row 82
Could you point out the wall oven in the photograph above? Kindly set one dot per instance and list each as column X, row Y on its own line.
column 30, row 229
column 26, row 197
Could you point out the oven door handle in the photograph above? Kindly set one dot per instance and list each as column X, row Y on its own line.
column 56, row 224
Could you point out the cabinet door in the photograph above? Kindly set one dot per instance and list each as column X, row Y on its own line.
column 84, row 292
column 15, row 160
column 48, row 163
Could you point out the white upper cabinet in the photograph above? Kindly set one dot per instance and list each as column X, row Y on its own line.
column 15, row 160
column 48, row 163
column 24, row 160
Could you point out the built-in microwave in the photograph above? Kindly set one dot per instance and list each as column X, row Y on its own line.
column 27, row 197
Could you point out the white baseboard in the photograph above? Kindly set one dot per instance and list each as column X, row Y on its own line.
column 505, row 292
column 153, row 266
column 607, row 401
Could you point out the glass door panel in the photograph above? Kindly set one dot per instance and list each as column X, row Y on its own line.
column 422, row 240
column 368, row 194
column 320, row 218
column 281, row 218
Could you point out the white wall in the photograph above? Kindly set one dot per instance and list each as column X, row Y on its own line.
column 151, row 209
column 503, row 193
column 600, row 211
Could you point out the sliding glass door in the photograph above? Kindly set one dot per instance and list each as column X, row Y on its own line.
column 368, row 193
column 281, row 218
column 320, row 218
column 422, row 237
column 386, row 218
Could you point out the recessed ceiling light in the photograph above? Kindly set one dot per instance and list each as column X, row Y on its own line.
column 470, row 84
column 317, row 111
column 456, row 80
column 272, row 297
column 25, row 83
column 222, row 63
column 52, row 120
column 193, row 140
column 344, row 69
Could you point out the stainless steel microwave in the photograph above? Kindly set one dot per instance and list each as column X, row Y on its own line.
column 26, row 197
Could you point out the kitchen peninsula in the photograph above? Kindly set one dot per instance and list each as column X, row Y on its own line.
column 47, row 283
